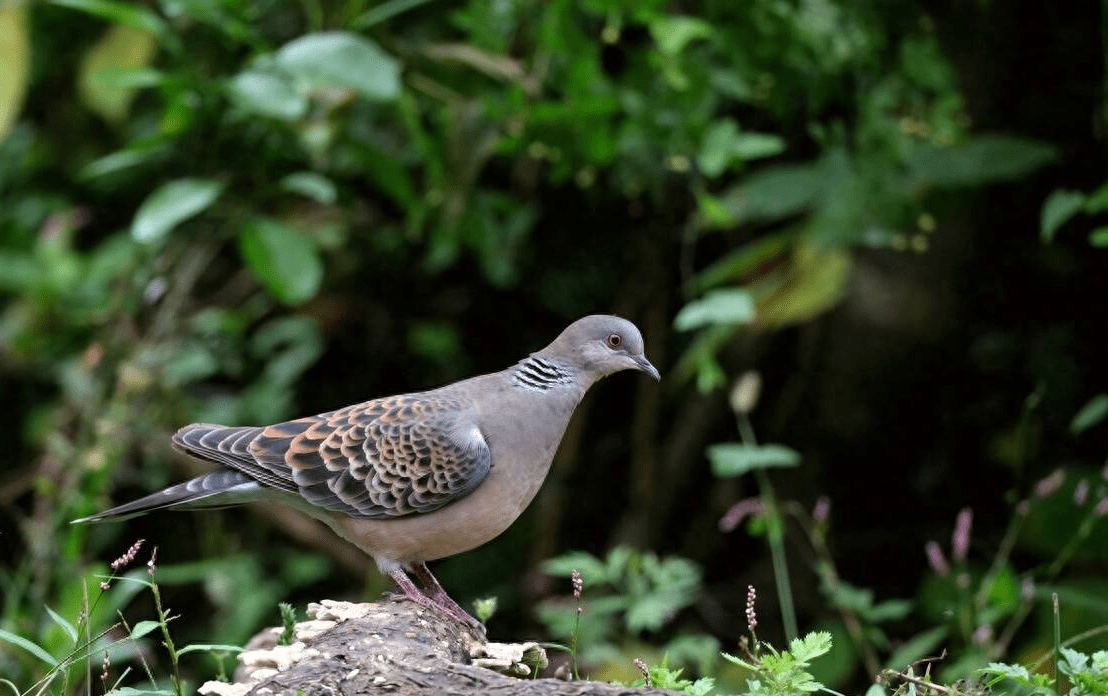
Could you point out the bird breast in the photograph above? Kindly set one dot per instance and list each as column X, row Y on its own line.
column 522, row 441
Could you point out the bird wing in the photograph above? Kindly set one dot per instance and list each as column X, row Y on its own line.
column 384, row 458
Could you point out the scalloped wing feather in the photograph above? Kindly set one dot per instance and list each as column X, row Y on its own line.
column 231, row 447
column 384, row 458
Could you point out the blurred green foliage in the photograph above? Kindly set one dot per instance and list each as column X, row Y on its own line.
column 199, row 200
column 628, row 593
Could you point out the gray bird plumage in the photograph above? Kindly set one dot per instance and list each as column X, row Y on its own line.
column 418, row 476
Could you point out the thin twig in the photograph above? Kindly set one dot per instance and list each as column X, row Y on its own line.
column 920, row 682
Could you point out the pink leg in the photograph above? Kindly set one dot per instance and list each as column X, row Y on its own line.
column 438, row 601
column 437, row 593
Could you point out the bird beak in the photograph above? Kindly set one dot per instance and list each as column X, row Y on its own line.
column 644, row 365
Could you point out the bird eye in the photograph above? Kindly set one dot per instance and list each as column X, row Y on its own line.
column 615, row 340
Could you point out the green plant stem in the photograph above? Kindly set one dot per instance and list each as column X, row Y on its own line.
column 1057, row 642
column 1071, row 546
column 141, row 656
column 167, row 640
column 1023, row 430
column 1004, row 550
column 775, row 534
column 87, row 610
column 966, row 615
column 1072, row 640
column 1000, row 646
column 825, row 568
column 573, row 642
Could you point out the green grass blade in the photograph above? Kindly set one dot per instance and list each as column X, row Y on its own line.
column 30, row 647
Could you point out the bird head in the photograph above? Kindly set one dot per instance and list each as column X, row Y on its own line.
column 599, row 345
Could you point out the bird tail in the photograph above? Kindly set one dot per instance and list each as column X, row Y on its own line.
column 218, row 488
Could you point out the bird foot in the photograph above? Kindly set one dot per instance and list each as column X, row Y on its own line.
column 438, row 601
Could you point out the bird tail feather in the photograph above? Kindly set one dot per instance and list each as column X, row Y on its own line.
column 219, row 488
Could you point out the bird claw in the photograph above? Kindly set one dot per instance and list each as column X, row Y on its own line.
column 459, row 616
column 437, row 601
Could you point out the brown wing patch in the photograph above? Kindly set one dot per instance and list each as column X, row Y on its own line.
column 384, row 458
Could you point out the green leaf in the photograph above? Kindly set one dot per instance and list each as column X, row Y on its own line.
column 142, row 628
column 190, row 362
column 1099, row 237
column 1072, row 661
column 592, row 569
column 27, row 645
column 133, row 15
column 917, row 647
column 345, row 60
column 1000, row 671
column 776, row 193
column 290, row 345
column 673, row 33
column 851, row 597
column 171, row 204
column 712, row 212
column 727, row 306
column 314, row 186
column 283, row 259
column 673, row 585
column 1097, row 201
column 122, row 159
column 121, row 48
column 1059, row 207
column 69, row 628
column 700, row 687
column 748, row 146
column 735, row 659
column 484, row 608
column 267, row 94
column 1090, row 414
column 985, row 159
column 618, row 561
column 650, row 612
column 810, row 646
column 15, row 56
column 817, row 279
column 741, row 264
column 385, row 10
column 715, row 150
column 734, row 459
column 724, row 143
column 130, row 78
column 889, row 610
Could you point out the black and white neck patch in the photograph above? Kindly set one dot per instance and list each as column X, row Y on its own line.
column 539, row 374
